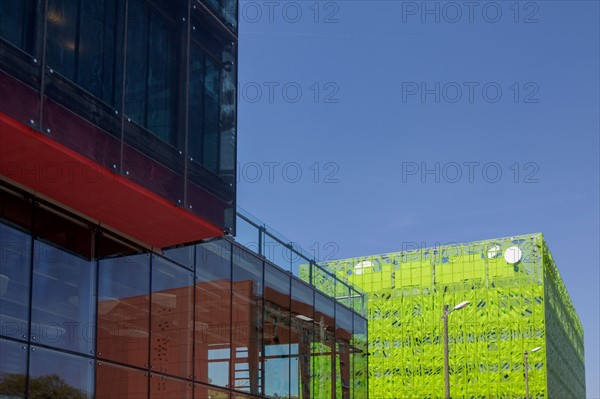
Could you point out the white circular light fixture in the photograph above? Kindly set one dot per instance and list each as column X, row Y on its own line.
column 494, row 252
column 513, row 254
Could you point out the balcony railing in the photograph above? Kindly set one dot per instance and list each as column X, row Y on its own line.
column 288, row 255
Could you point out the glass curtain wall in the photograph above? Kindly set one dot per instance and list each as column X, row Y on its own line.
column 211, row 320
column 146, row 89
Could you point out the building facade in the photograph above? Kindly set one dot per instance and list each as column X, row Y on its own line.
column 518, row 302
column 119, row 276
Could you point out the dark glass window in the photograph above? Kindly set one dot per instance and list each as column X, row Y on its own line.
column 63, row 303
column 116, row 382
column 15, row 268
column 153, row 39
column 13, row 369
column 204, row 103
column 171, row 318
column 213, row 313
column 247, row 321
column 84, row 45
column 276, row 332
column 17, row 23
column 124, row 309
column 55, row 374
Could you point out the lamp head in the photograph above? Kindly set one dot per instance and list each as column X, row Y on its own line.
column 537, row 348
column 461, row 305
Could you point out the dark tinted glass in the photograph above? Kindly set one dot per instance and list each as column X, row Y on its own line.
column 84, row 45
column 63, row 302
column 55, row 374
column 153, row 38
column 17, row 18
column 13, row 369
column 124, row 309
column 15, row 269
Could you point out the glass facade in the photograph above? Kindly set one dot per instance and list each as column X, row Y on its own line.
column 145, row 89
column 517, row 303
column 210, row 320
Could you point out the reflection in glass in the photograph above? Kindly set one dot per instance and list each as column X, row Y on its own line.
column 343, row 335
column 359, row 361
column 73, row 379
column 302, row 332
column 16, row 23
column 172, row 318
column 276, row 333
column 15, row 266
column 151, row 80
column 116, row 382
column 162, row 387
column 63, row 302
column 213, row 313
column 324, row 345
column 13, row 363
column 123, row 309
column 205, row 392
column 247, row 321
column 83, row 44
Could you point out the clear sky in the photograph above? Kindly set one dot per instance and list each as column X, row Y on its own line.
column 375, row 126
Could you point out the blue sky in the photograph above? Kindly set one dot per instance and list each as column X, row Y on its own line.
column 371, row 126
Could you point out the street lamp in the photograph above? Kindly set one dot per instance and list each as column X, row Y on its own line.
column 447, row 311
column 526, row 365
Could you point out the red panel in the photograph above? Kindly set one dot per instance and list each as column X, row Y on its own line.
column 50, row 168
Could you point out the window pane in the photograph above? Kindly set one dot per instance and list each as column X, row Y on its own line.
column 73, row 379
column 17, row 23
column 247, row 321
column 162, row 387
column 62, row 18
column 152, row 56
column 15, row 267
column 63, row 309
column 213, row 312
column 343, row 335
column 123, row 309
column 323, row 347
column 116, row 382
column 302, row 335
column 276, row 332
column 172, row 318
column 13, row 369
column 360, row 372
column 205, row 392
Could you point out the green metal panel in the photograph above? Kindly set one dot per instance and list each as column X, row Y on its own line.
column 514, row 307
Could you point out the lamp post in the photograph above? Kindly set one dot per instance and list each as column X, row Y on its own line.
column 447, row 311
column 526, row 365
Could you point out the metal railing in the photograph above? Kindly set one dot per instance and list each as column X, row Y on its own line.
column 289, row 256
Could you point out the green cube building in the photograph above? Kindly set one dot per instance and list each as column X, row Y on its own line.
column 518, row 302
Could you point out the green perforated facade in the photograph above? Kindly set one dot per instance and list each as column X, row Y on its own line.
column 517, row 302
